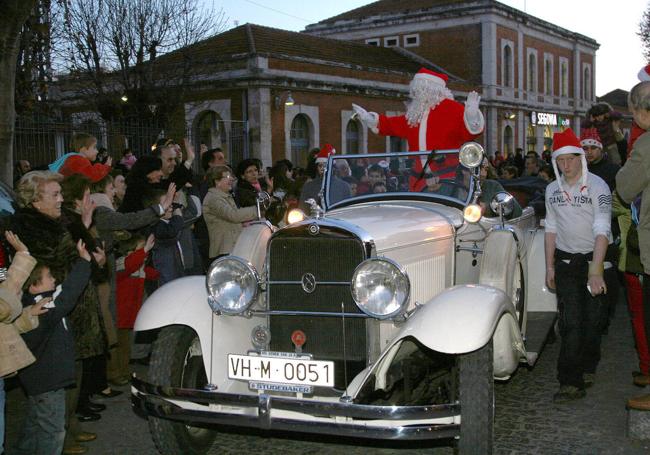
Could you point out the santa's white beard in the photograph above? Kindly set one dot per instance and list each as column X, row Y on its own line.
column 424, row 96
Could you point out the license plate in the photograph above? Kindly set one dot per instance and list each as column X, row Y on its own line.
column 281, row 370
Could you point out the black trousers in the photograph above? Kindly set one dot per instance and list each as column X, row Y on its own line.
column 581, row 317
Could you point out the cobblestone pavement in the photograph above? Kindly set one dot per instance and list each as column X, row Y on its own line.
column 527, row 422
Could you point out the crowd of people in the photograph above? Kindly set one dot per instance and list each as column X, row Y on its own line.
column 91, row 239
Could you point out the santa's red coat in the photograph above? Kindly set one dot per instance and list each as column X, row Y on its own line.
column 442, row 128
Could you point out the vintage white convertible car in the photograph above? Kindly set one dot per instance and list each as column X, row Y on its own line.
column 380, row 315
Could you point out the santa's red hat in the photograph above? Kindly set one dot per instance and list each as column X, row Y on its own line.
column 432, row 76
column 590, row 137
column 566, row 143
column 325, row 151
column 644, row 73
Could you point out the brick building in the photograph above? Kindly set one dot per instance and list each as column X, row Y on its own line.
column 534, row 77
column 249, row 73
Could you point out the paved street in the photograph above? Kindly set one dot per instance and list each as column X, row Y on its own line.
column 527, row 422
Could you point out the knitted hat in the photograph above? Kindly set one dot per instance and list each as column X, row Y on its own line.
column 644, row 73
column 566, row 143
column 590, row 136
column 325, row 151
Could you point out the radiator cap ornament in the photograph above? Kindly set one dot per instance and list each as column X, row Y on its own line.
column 308, row 282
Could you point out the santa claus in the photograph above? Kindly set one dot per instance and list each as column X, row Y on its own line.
column 433, row 120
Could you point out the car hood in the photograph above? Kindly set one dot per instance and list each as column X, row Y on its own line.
column 393, row 224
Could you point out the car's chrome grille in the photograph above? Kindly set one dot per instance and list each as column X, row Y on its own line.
column 331, row 261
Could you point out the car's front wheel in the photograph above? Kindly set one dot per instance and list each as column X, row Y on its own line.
column 476, row 401
column 177, row 361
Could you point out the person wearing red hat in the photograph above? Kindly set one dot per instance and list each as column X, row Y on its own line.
column 634, row 179
column 578, row 231
column 433, row 120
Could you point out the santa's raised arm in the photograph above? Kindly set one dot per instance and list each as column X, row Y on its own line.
column 433, row 120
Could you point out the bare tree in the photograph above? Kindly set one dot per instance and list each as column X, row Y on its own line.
column 644, row 33
column 111, row 47
column 14, row 15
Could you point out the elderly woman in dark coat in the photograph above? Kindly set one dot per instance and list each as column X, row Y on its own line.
column 39, row 224
column 94, row 329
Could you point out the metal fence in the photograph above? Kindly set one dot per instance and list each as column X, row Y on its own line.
column 40, row 140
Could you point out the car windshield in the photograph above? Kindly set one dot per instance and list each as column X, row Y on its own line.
column 436, row 175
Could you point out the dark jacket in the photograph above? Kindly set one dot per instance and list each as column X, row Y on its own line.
column 86, row 318
column 52, row 342
column 246, row 194
column 606, row 170
column 166, row 254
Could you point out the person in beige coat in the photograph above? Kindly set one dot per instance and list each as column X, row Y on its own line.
column 14, row 353
column 222, row 216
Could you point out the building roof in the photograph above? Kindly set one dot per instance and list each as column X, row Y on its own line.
column 251, row 39
column 384, row 10
column 385, row 7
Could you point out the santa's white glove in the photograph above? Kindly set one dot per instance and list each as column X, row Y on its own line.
column 473, row 117
column 370, row 119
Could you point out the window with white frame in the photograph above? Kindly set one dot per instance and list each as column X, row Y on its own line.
column 564, row 77
column 411, row 40
column 548, row 74
column 391, row 41
column 532, row 70
column 352, row 138
column 507, row 67
column 373, row 42
column 586, row 81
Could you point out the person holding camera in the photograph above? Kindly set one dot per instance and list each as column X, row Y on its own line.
column 167, row 256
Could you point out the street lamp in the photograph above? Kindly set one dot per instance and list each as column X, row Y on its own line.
column 287, row 102
column 124, row 98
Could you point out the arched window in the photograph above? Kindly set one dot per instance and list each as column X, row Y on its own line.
column 299, row 140
column 210, row 130
column 564, row 88
column 508, row 137
column 532, row 73
column 507, row 66
column 548, row 138
column 531, row 138
column 352, row 137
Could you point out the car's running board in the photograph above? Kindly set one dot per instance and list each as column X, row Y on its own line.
column 539, row 324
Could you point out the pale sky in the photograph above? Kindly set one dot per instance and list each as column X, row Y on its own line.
column 614, row 25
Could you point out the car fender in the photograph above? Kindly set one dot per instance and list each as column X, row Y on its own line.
column 463, row 319
column 252, row 242
column 539, row 297
column 184, row 301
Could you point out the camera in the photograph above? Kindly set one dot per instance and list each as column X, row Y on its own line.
column 176, row 205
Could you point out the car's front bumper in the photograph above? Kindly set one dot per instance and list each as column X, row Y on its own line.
column 307, row 416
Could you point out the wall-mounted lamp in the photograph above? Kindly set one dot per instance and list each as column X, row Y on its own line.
column 288, row 101
column 509, row 115
column 124, row 98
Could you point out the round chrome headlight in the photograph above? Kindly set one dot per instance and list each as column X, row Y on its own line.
column 470, row 154
column 232, row 285
column 504, row 200
column 380, row 288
